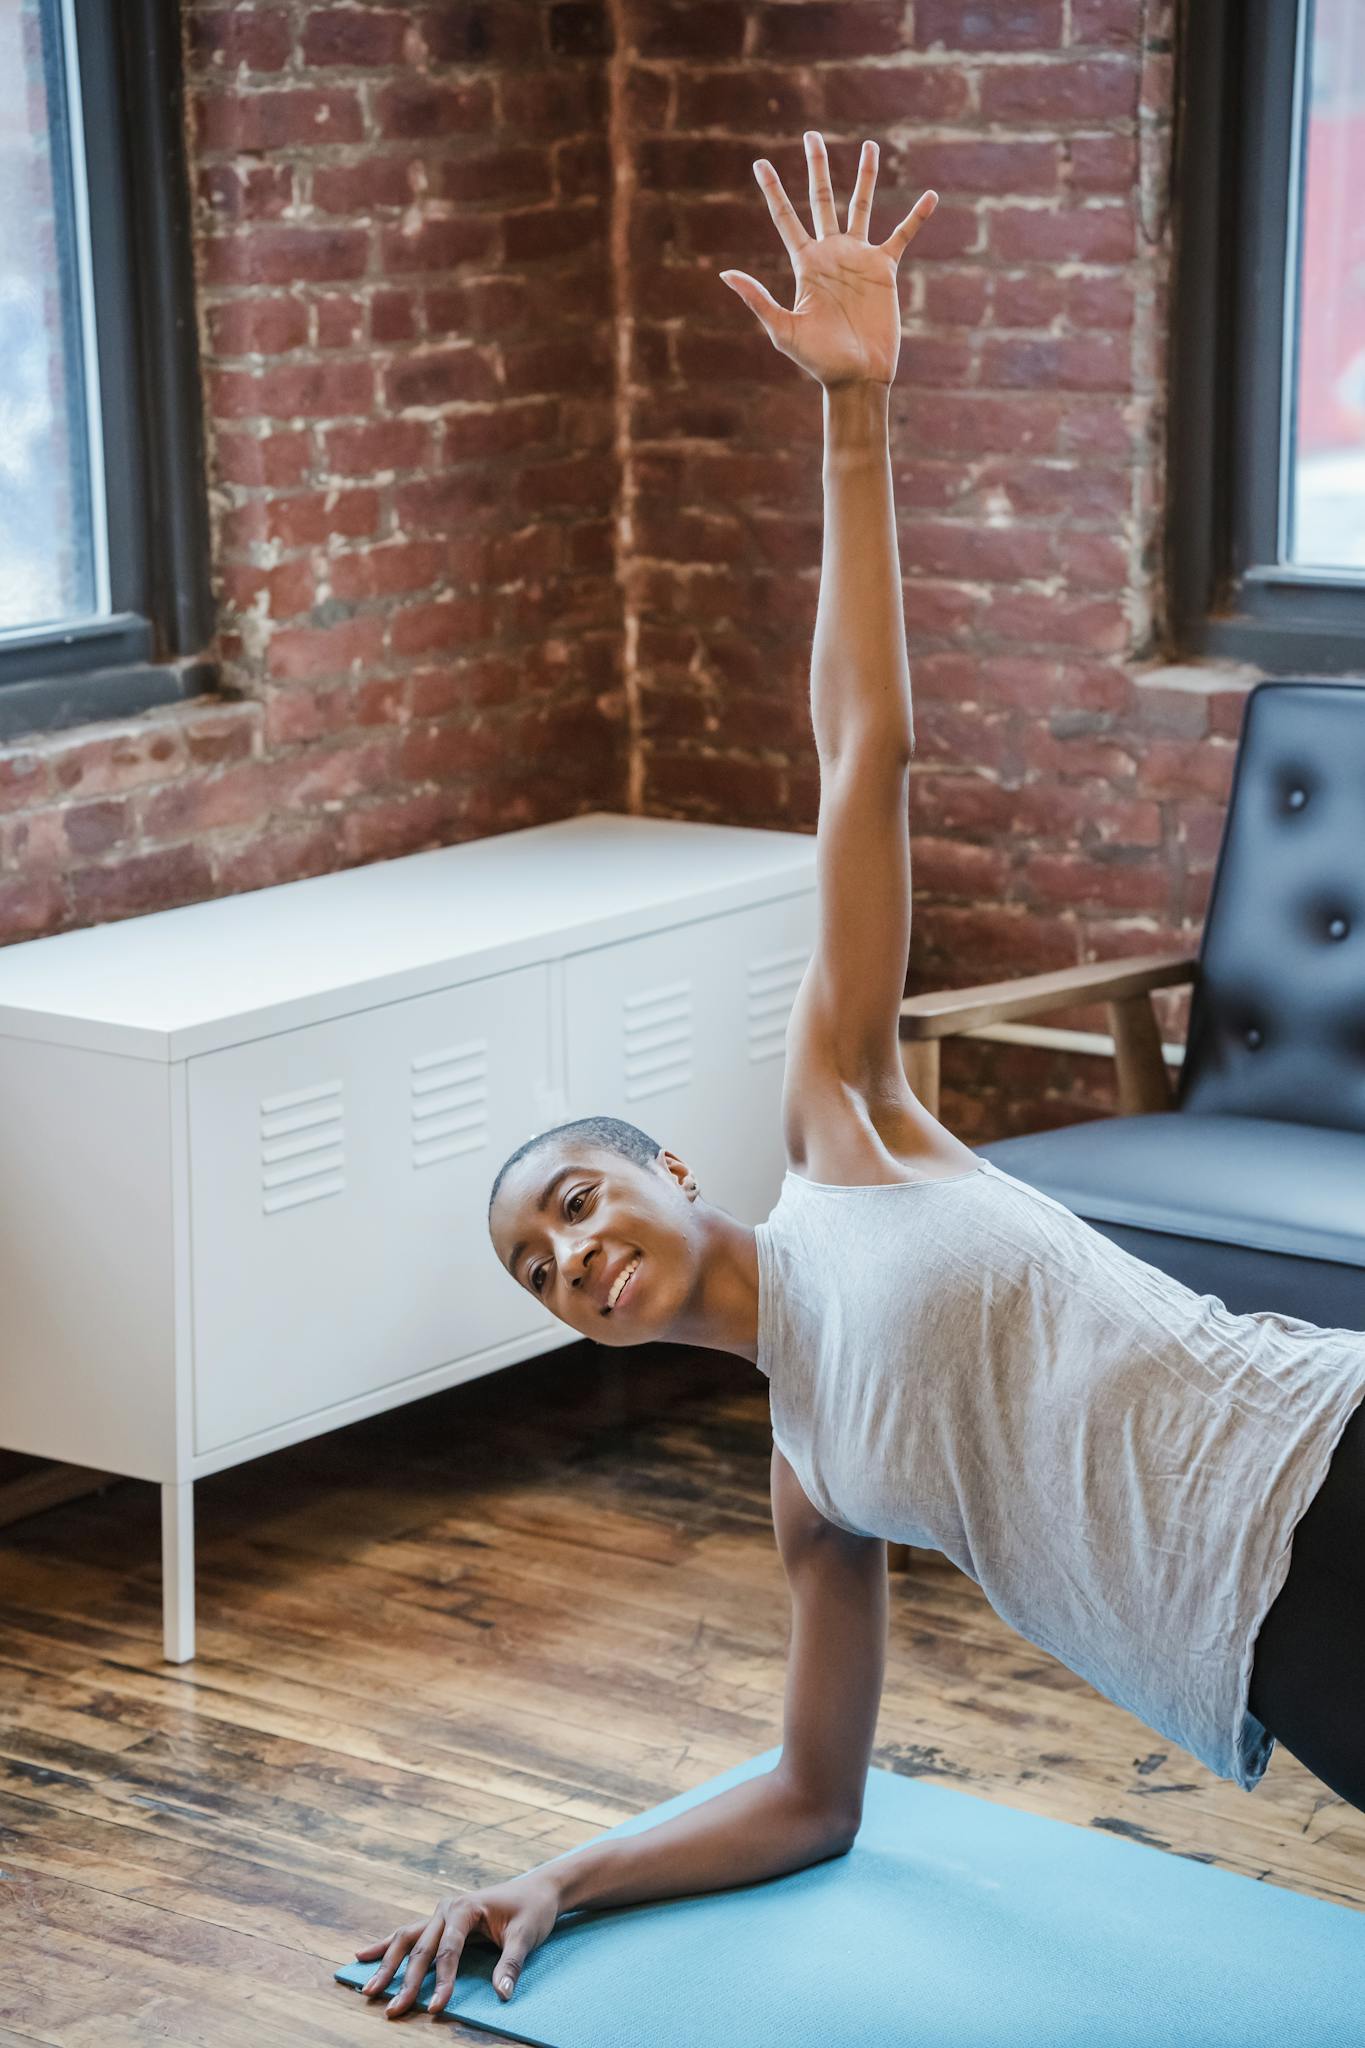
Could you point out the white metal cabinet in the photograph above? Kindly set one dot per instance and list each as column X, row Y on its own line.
column 360, row 1051
column 684, row 1033
column 87, row 1291
column 340, row 1174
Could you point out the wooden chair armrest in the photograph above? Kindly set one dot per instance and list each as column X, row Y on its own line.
column 947, row 1012
column 1125, row 986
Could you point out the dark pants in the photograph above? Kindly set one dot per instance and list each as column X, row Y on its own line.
column 1308, row 1677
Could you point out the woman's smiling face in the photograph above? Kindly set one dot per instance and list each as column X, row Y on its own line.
column 570, row 1223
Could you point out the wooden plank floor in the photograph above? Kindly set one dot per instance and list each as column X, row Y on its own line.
column 436, row 1648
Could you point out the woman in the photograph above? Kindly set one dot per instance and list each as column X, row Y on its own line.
column 954, row 1360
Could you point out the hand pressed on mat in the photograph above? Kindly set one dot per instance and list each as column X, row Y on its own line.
column 516, row 1917
column 845, row 325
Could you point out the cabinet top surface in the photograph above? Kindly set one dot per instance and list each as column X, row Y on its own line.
column 253, row 954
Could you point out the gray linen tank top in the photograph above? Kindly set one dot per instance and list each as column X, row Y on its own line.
column 1117, row 1461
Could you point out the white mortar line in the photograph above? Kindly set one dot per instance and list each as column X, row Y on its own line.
column 622, row 198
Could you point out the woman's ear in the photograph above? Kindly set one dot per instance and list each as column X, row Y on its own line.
column 679, row 1169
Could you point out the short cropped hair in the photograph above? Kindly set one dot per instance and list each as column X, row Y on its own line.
column 611, row 1133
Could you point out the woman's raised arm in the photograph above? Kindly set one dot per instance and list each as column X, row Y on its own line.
column 844, row 331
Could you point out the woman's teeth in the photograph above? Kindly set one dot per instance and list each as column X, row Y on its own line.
column 621, row 1283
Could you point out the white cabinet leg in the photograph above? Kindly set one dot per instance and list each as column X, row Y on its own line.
column 177, row 1571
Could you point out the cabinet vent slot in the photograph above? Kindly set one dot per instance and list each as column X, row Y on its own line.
column 449, row 1102
column 658, row 1039
column 302, row 1155
column 773, row 982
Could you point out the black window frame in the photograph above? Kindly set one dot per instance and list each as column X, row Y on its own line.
column 152, row 649
column 1235, row 136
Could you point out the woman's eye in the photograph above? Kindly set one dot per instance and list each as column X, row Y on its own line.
column 578, row 1195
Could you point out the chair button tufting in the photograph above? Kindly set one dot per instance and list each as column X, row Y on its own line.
column 1337, row 929
column 1253, row 1038
column 1297, row 798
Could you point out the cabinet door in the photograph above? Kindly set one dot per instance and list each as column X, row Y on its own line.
column 339, row 1187
column 684, row 1033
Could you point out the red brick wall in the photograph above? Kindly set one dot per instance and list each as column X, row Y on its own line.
column 460, row 309
column 406, row 316
column 1062, row 809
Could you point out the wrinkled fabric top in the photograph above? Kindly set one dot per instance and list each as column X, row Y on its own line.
column 1117, row 1461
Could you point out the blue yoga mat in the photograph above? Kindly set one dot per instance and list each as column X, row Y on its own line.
column 951, row 1923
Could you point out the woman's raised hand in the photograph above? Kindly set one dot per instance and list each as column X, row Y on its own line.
column 845, row 326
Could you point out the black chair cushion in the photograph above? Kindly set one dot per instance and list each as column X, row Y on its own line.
column 1263, row 1214
column 1277, row 1028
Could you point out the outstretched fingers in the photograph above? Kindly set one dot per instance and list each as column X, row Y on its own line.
column 822, row 213
column 860, row 205
column 899, row 240
column 786, row 219
column 775, row 320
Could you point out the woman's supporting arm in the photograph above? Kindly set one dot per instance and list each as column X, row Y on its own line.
column 753, row 1831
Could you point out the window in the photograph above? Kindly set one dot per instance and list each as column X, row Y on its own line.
column 1267, row 437
column 103, row 542
column 53, row 558
column 1325, row 300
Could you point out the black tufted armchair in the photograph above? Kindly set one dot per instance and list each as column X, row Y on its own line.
column 1252, row 1186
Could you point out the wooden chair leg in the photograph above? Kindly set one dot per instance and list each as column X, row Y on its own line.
column 1143, row 1084
column 921, row 1060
